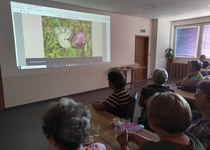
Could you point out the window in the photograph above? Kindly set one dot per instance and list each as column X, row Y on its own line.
column 205, row 45
column 193, row 40
column 186, row 42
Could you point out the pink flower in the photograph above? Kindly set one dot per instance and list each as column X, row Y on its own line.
column 79, row 39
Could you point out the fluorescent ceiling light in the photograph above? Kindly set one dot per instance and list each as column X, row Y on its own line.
column 150, row 6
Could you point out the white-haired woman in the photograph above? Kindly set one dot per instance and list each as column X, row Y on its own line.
column 160, row 76
column 66, row 124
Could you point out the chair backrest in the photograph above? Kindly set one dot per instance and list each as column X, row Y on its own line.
column 132, row 105
column 152, row 91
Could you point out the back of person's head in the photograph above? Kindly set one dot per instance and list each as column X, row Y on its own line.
column 117, row 78
column 197, row 64
column 160, row 75
column 202, row 57
column 169, row 112
column 67, row 123
column 204, row 86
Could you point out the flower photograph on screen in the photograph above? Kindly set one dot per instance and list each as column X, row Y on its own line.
column 64, row 38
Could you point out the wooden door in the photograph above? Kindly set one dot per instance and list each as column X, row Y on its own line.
column 141, row 57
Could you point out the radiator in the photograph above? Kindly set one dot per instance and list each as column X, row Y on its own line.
column 176, row 70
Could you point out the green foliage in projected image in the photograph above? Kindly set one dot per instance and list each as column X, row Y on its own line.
column 66, row 37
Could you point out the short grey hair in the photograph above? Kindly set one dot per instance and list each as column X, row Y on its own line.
column 197, row 64
column 67, row 122
column 160, row 75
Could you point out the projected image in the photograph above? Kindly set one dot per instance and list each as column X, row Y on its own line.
column 47, row 37
column 65, row 38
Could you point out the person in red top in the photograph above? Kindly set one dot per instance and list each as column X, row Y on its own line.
column 117, row 103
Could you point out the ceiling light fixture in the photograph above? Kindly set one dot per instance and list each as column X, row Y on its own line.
column 173, row 14
column 150, row 6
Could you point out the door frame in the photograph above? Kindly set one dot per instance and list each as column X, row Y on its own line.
column 146, row 53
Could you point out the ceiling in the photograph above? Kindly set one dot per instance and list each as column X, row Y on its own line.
column 151, row 9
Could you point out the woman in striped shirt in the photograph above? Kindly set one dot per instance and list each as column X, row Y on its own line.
column 117, row 103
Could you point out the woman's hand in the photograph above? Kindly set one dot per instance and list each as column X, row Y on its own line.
column 98, row 106
column 122, row 138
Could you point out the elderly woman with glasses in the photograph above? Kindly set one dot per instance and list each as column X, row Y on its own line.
column 169, row 115
column 194, row 76
column 200, row 128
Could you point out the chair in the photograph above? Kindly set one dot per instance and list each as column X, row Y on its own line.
column 132, row 104
column 152, row 91
column 149, row 92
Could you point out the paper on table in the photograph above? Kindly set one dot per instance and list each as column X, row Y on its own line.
column 134, row 127
column 138, row 128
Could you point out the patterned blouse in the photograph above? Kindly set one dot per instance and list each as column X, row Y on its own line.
column 197, row 77
column 118, row 98
column 200, row 128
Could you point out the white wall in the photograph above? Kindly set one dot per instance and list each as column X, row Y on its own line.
column 161, row 33
column 27, row 86
column 163, row 42
column 152, row 53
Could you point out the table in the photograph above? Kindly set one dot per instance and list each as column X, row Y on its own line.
column 185, row 94
column 189, row 96
column 107, row 133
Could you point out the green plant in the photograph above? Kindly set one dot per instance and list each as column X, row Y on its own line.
column 169, row 53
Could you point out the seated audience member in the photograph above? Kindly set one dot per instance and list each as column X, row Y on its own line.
column 203, row 60
column 160, row 76
column 66, row 124
column 190, row 82
column 117, row 103
column 205, row 64
column 200, row 128
column 169, row 116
